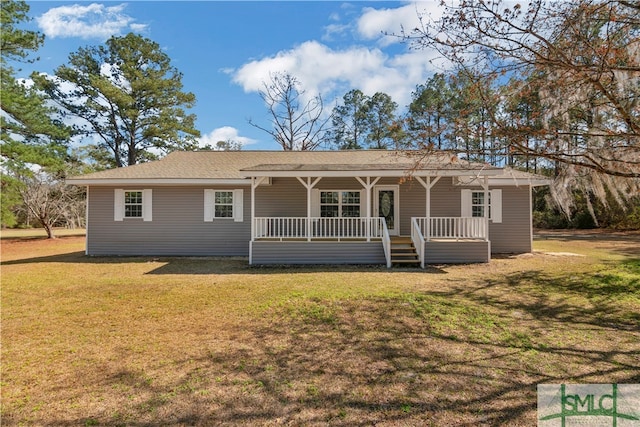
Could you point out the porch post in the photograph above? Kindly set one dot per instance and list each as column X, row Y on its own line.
column 253, row 208
column 254, row 184
column 308, row 227
column 368, row 186
column 485, row 187
column 309, row 186
column 428, row 185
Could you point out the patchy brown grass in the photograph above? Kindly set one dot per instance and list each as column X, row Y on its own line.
column 38, row 233
column 193, row 341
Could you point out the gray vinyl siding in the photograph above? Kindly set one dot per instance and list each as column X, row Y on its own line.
column 513, row 234
column 284, row 197
column 287, row 197
column 439, row 252
column 177, row 228
column 285, row 253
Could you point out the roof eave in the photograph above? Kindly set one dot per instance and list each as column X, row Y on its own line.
column 157, row 181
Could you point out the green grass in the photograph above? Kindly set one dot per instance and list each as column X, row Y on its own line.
column 209, row 341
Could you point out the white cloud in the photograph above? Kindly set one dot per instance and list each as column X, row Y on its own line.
column 94, row 21
column 223, row 134
column 375, row 24
column 332, row 73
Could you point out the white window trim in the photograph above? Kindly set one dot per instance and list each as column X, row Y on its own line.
column 118, row 205
column 495, row 203
column 209, row 205
column 316, row 205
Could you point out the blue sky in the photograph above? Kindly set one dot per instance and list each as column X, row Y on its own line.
column 226, row 49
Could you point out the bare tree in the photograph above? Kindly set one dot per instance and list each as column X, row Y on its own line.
column 298, row 122
column 46, row 198
column 581, row 59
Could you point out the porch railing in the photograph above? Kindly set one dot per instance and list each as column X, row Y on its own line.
column 453, row 228
column 386, row 242
column 299, row 228
column 418, row 240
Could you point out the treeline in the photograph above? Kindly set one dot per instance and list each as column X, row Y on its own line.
column 124, row 99
column 478, row 118
column 552, row 89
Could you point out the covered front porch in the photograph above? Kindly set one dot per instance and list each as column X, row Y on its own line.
column 354, row 217
column 366, row 240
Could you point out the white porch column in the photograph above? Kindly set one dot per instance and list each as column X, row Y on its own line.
column 368, row 186
column 253, row 210
column 309, row 186
column 428, row 185
column 485, row 187
column 255, row 182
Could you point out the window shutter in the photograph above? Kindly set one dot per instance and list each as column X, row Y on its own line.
column 209, row 196
column 315, row 203
column 465, row 203
column 496, row 206
column 238, row 205
column 118, row 204
column 147, row 205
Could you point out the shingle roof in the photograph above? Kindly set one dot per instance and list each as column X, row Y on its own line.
column 239, row 164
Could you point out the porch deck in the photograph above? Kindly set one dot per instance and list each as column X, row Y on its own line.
column 366, row 240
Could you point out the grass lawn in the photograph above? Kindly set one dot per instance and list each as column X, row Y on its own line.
column 193, row 341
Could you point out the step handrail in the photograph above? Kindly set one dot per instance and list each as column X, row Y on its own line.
column 418, row 240
column 386, row 242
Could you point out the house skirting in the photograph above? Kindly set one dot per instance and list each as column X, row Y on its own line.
column 457, row 252
column 266, row 252
column 316, row 252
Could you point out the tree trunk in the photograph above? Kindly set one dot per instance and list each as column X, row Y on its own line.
column 48, row 228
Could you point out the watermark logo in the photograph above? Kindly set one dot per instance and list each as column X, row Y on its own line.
column 569, row 405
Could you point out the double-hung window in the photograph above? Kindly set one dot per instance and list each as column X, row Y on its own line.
column 477, row 204
column 131, row 204
column 223, row 204
column 473, row 204
column 345, row 204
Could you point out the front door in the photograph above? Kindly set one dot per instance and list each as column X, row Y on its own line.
column 386, row 205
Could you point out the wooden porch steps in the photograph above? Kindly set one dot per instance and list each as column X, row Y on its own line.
column 403, row 251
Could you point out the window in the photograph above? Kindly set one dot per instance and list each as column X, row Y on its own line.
column 344, row 204
column 329, row 204
column 477, row 204
column 473, row 204
column 132, row 204
column 223, row 204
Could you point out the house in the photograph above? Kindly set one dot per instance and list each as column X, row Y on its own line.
column 311, row 207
